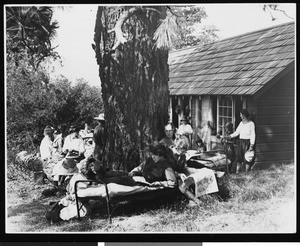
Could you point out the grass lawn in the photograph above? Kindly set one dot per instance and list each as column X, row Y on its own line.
column 257, row 202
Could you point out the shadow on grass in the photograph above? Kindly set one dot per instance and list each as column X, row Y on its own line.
column 32, row 213
column 128, row 208
column 34, row 220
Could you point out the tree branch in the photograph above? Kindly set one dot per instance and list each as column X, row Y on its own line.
column 120, row 39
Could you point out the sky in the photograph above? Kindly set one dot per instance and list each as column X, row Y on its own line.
column 76, row 32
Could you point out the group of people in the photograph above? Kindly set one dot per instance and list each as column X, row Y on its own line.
column 240, row 151
column 61, row 153
column 166, row 164
column 238, row 145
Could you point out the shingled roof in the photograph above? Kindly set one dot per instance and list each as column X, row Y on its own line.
column 240, row 65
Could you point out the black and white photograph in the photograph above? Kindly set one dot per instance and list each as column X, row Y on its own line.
column 150, row 119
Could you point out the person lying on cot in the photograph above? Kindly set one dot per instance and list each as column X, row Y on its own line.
column 156, row 169
column 91, row 172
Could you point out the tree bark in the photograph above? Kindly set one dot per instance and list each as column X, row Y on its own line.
column 134, row 77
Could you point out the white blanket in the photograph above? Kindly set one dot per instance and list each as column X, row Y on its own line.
column 113, row 189
column 204, row 180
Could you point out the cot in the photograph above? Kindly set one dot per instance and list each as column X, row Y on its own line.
column 112, row 194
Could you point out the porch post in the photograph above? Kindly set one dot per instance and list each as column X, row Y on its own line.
column 179, row 115
column 170, row 110
column 190, row 106
column 197, row 123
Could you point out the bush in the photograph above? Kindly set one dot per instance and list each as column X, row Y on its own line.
column 33, row 102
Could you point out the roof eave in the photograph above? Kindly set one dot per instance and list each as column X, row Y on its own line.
column 274, row 80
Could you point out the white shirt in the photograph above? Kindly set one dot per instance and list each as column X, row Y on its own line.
column 46, row 148
column 246, row 131
column 74, row 143
column 185, row 129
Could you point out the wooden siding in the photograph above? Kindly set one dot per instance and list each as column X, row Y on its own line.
column 275, row 123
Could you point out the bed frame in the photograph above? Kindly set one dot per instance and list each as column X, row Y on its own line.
column 110, row 201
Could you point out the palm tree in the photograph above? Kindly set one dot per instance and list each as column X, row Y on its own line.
column 31, row 29
column 134, row 75
column 131, row 46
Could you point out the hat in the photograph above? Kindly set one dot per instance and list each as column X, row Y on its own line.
column 68, row 167
column 88, row 135
column 74, row 128
column 168, row 127
column 183, row 118
column 179, row 131
column 72, row 154
column 158, row 149
column 48, row 130
column 229, row 125
column 249, row 155
column 100, row 117
column 199, row 142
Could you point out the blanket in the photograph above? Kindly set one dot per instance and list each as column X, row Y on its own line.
column 85, row 190
column 216, row 161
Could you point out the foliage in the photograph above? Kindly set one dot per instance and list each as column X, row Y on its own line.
column 31, row 29
column 273, row 10
column 33, row 104
column 188, row 31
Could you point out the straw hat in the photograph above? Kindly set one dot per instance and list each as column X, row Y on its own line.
column 68, row 167
column 48, row 130
column 72, row 154
column 249, row 155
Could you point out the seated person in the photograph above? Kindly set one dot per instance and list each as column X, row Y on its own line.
column 181, row 172
column 89, row 145
column 200, row 146
column 74, row 143
column 107, row 176
column 229, row 144
column 168, row 140
column 179, row 136
column 64, row 169
column 57, row 145
column 156, row 169
column 46, row 146
column 185, row 128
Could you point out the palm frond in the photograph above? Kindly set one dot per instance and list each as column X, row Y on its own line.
column 165, row 33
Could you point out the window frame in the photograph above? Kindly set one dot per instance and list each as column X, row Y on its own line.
column 219, row 100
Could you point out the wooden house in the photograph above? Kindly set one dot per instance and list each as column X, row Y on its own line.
column 256, row 71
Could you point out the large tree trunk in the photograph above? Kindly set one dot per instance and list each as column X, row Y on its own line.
column 134, row 78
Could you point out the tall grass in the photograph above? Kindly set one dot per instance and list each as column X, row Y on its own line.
column 241, row 197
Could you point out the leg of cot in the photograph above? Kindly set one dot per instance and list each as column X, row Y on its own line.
column 108, row 210
column 77, row 202
column 108, row 203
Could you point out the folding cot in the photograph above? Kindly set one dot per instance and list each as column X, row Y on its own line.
column 113, row 193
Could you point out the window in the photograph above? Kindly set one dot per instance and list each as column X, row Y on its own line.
column 225, row 112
